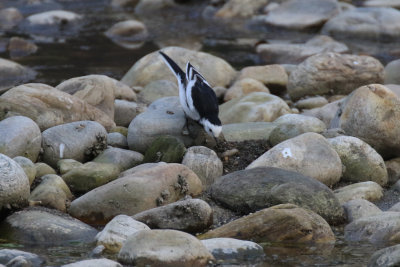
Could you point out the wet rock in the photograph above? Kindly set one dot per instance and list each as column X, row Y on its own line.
column 9, row 18
column 165, row 148
column 370, row 191
column 46, row 227
column 20, row 47
column 151, row 67
column 148, row 188
column 381, row 228
column 12, row 74
column 373, row 23
column 94, row 263
column 15, row 184
column 311, row 102
column 126, row 111
column 20, row 136
column 357, row 119
column 230, row 250
column 325, row 113
column 65, row 165
column 237, row 132
column 393, row 169
column 391, row 72
column 158, row 89
column 52, row 192
column 48, row 106
column 90, row 175
column 150, row 7
column 205, row 163
column 80, row 140
column 240, row 8
column 318, row 74
column 188, row 215
column 358, row 208
column 302, row 14
column 124, row 159
column 389, row 256
column 301, row 154
column 361, row 161
column 53, row 17
column 254, row 189
column 164, row 248
column 43, row 169
column 96, row 90
column 28, row 166
column 258, row 106
column 129, row 34
column 7, row 255
column 281, row 223
column 115, row 233
column 244, row 87
column 117, row 140
column 292, row 125
column 284, row 53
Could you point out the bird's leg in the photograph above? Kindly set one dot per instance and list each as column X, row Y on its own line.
column 185, row 129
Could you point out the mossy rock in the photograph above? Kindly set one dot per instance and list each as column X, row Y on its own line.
column 165, row 148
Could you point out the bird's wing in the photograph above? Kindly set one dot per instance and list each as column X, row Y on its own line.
column 191, row 72
column 204, row 99
column 180, row 75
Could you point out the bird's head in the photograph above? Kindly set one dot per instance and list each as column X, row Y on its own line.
column 213, row 128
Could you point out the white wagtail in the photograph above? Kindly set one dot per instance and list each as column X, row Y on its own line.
column 197, row 98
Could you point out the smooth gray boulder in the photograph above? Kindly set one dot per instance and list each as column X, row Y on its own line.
column 123, row 158
column 126, row 111
column 33, row 260
column 13, row 74
column 117, row 140
column 358, row 208
column 129, row 34
column 28, row 166
column 388, row 257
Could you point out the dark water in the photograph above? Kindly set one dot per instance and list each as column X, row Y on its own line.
column 87, row 51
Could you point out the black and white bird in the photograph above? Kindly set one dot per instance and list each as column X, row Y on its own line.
column 196, row 96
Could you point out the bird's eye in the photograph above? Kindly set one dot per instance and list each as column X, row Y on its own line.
column 209, row 130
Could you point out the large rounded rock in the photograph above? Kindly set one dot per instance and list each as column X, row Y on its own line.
column 257, row 106
column 281, row 223
column 151, row 67
column 124, row 159
column 240, row 8
column 358, row 208
column 12, row 74
column 244, row 87
column 254, row 189
column 28, row 166
column 303, row 154
column 80, row 140
column 14, row 184
column 158, row 89
column 391, row 71
column 97, row 90
column 49, row 107
column 318, row 74
column 389, row 256
column 126, row 111
column 372, row 113
column 165, row 148
column 148, row 188
column 169, row 248
column 129, row 34
column 188, row 215
column 9, row 18
column 8, row 255
column 20, row 136
column 361, row 161
column 370, row 191
column 325, row 113
column 46, row 227
column 237, row 132
column 273, row 76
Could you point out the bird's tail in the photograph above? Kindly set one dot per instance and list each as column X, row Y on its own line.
column 180, row 75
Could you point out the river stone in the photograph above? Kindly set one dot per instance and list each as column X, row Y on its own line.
column 325, row 113
column 90, row 175
column 257, row 106
column 311, row 102
column 148, row 188
column 301, row 154
column 80, row 140
column 94, row 263
column 9, row 18
column 33, row 260
column 318, row 74
column 40, row 226
column 302, row 14
column 20, row 47
column 281, row 223
column 117, row 140
column 14, row 184
column 391, row 72
column 381, row 228
column 284, row 53
column 142, row 167
column 395, row 207
column 65, row 165
column 157, row 89
column 370, row 191
column 96, row 90
column 124, row 92
column 358, row 208
column 164, row 248
column 43, row 169
column 230, row 250
column 389, row 256
column 20, row 136
column 52, row 192
column 254, row 189
column 188, row 215
column 240, row 8
column 129, row 34
column 115, row 233
column 373, row 23
column 13, row 74
column 205, row 163
column 126, row 111
column 151, row 7
column 362, row 163
column 48, row 106
column 165, row 148
column 28, row 166
column 151, row 67
column 292, row 125
column 393, row 169
column 372, row 113
column 244, row 87
column 53, row 17
column 237, row 132
column 124, row 159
